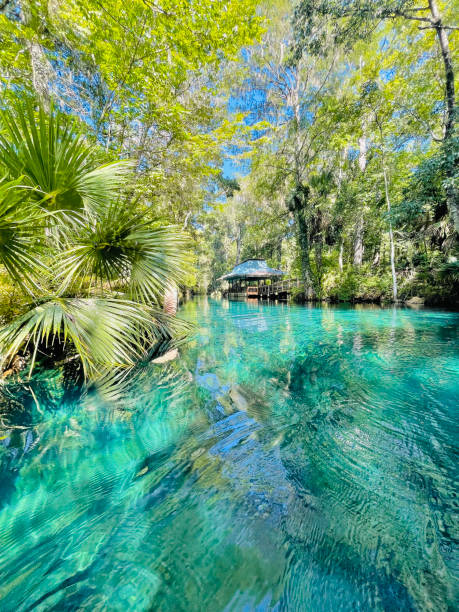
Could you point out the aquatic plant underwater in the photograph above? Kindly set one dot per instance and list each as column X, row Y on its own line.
column 292, row 458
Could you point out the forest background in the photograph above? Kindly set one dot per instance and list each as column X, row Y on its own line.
column 319, row 135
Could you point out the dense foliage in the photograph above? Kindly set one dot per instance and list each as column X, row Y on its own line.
column 110, row 131
column 354, row 154
column 91, row 268
column 146, row 144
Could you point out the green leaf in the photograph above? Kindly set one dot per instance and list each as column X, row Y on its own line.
column 107, row 334
column 21, row 227
column 59, row 166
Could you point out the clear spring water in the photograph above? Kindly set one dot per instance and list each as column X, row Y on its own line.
column 292, row 458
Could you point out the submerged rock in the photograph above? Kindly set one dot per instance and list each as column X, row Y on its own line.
column 415, row 301
column 169, row 356
column 18, row 363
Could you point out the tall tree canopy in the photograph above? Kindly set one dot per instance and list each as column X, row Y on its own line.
column 353, row 170
column 319, row 134
column 319, row 23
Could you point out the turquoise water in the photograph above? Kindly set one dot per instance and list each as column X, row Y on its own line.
column 291, row 458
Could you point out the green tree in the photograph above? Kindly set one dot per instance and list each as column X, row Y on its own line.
column 345, row 22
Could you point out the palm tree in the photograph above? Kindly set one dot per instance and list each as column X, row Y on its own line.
column 94, row 267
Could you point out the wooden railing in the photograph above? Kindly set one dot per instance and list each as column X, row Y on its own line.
column 284, row 286
column 266, row 290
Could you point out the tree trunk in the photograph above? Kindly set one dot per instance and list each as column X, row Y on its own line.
column 297, row 206
column 303, row 243
column 340, row 180
column 391, row 236
column 318, row 251
column 452, row 196
column 449, row 69
column 42, row 71
column 238, row 244
column 171, row 299
column 386, row 192
column 358, row 241
column 362, row 153
column 299, row 200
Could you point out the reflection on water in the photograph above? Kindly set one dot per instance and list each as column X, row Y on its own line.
column 292, row 458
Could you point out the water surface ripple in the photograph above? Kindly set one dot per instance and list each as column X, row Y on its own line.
column 292, row 458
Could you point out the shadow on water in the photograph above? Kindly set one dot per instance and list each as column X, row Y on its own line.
column 291, row 458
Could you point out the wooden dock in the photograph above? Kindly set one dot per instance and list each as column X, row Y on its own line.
column 279, row 290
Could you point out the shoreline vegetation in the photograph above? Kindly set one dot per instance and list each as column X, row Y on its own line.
column 148, row 149
column 92, row 271
column 299, row 298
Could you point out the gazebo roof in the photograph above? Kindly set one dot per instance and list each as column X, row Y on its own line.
column 251, row 268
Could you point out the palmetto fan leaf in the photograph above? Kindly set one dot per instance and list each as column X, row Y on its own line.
column 92, row 240
column 117, row 246
column 58, row 164
column 107, row 334
column 160, row 259
column 21, row 222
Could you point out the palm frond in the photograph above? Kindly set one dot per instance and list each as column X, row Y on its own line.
column 113, row 383
column 101, row 241
column 160, row 257
column 58, row 163
column 21, row 224
column 117, row 246
column 99, row 185
column 107, row 334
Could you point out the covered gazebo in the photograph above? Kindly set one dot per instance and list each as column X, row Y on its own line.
column 245, row 278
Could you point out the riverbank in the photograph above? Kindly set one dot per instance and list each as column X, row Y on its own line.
column 432, row 288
